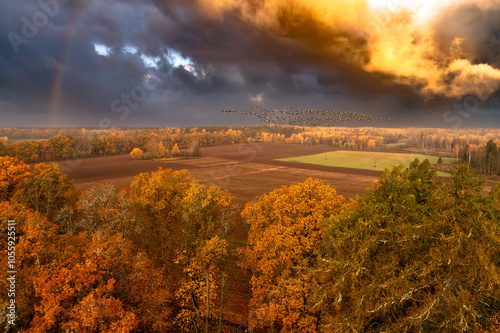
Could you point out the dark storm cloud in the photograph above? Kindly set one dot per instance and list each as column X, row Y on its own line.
column 271, row 62
column 203, row 63
column 64, row 46
column 476, row 30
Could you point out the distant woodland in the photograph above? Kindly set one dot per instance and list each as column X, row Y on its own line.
column 478, row 148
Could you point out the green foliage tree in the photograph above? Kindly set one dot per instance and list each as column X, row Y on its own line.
column 440, row 160
column 34, row 243
column 491, row 157
column 47, row 189
column 154, row 147
column 283, row 244
column 64, row 146
column 411, row 255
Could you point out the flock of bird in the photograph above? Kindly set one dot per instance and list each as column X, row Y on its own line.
column 301, row 117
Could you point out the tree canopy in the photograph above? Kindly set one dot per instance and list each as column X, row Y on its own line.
column 283, row 244
column 412, row 255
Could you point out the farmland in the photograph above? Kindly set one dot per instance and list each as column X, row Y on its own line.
column 246, row 170
column 365, row 160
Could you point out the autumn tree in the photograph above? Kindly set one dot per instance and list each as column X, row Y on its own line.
column 64, row 146
column 175, row 150
column 81, row 282
column 157, row 199
column 103, row 207
column 100, row 284
column 34, row 242
column 3, row 148
column 411, row 255
column 137, row 154
column 204, row 250
column 12, row 174
column 25, row 150
column 283, row 245
column 46, row 151
column 83, row 147
column 47, row 189
column 154, row 147
column 495, row 195
column 98, row 147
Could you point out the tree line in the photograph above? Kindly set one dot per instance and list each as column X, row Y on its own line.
column 48, row 144
column 63, row 147
column 411, row 254
column 477, row 147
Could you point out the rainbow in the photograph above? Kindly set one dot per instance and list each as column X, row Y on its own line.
column 54, row 110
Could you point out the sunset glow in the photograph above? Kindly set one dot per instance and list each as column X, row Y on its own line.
column 399, row 39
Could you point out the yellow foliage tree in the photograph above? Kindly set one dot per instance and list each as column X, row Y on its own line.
column 103, row 207
column 175, row 150
column 137, row 154
column 157, row 198
column 283, row 244
column 203, row 253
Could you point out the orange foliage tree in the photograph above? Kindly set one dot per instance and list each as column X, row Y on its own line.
column 283, row 244
column 175, row 150
column 12, row 174
column 34, row 247
column 82, row 282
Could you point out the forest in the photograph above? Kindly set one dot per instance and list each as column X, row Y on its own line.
column 476, row 147
column 414, row 253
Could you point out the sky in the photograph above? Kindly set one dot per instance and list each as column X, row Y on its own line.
column 172, row 63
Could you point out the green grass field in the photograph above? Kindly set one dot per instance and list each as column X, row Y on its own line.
column 365, row 160
column 395, row 145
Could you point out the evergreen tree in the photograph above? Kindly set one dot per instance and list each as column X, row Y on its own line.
column 491, row 157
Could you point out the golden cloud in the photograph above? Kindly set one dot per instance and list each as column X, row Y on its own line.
column 395, row 40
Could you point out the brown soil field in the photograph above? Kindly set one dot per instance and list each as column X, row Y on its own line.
column 246, row 171
column 229, row 167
